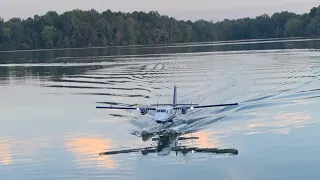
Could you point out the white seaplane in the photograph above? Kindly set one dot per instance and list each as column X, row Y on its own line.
column 164, row 115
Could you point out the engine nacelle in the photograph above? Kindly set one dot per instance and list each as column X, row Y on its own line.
column 143, row 111
column 184, row 110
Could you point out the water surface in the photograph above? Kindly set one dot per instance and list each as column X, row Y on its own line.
column 50, row 129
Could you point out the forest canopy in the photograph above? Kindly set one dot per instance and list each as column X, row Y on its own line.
column 79, row 28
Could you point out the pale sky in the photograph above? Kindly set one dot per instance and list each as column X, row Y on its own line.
column 180, row 9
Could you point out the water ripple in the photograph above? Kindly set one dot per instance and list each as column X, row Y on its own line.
column 277, row 92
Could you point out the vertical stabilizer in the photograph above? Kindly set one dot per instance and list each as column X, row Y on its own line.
column 174, row 103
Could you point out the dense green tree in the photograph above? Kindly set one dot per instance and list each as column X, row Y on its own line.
column 48, row 36
column 1, row 33
column 313, row 28
column 279, row 20
column 90, row 28
column 294, row 27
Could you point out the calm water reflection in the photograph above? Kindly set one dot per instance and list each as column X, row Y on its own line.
column 50, row 129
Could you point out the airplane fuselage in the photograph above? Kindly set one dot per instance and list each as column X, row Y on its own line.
column 164, row 115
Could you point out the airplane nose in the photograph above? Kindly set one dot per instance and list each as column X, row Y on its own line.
column 159, row 117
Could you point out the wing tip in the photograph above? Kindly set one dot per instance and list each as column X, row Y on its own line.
column 103, row 107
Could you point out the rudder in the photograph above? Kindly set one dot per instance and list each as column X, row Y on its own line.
column 174, row 103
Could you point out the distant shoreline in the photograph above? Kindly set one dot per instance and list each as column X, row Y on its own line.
column 172, row 45
column 80, row 29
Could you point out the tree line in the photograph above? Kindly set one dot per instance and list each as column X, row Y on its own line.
column 80, row 28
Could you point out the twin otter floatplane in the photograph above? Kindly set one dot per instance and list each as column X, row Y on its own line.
column 167, row 140
column 166, row 115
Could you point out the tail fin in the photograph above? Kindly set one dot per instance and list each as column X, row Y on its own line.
column 174, row 103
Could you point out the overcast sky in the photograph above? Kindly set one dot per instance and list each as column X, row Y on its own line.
column 180, row 9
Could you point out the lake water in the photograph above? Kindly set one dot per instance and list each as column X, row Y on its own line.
column 50, row 128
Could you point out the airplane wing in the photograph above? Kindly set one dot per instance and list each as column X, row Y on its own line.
column 125, row 108
column 179, row 106
column 215, row 105
column 181, row 149
column 205, row 106
column 206, row 150
column 142, row 150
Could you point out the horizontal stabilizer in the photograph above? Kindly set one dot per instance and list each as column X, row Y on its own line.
column 180, row 138
column 176, row 104
column 161, row 104
column 187, row 104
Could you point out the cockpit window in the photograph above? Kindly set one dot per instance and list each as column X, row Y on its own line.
column 161, row 110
